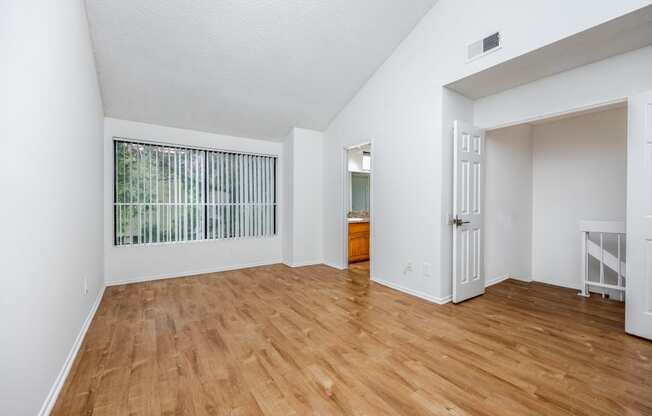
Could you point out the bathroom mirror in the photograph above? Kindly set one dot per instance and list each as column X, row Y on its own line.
column 360, row 191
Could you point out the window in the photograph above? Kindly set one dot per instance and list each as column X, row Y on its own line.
column 366, row 161
column 165, row 194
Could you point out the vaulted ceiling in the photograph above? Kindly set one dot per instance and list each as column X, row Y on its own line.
column 252, row 68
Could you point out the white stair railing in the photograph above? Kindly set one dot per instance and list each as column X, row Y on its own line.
column 615, row 262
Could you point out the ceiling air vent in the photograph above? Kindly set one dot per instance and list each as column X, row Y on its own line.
column 483, row 46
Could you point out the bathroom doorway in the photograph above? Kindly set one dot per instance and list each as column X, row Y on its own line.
column 358, row 213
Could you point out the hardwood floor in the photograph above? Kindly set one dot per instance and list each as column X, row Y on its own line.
column 313, row 340
column 362, row 266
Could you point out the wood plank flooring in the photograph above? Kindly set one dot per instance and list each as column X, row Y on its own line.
column 314, row 340
column 362, row 266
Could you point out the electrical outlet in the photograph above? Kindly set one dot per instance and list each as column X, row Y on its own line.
column 427, row 269
column 408, row 268
column 85, row 279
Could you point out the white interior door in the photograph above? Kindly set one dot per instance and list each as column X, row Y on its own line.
column 468, row 184
column 638, row 317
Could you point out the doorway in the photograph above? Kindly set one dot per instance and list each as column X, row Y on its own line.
column 614, row 185
column 357, row 219
column 554, row 186
column 551, row 198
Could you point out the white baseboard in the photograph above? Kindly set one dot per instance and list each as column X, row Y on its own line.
column 304, row 263
column 150, row 278
column 558, row 284
column 499, row 279
column 417, row 293
column 496, row 280
column 335, row 266
column 51, row 399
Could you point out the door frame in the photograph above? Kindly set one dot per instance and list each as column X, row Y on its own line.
column 345, row 186
column 568, row 112
column 574, row 111
column 585, row 109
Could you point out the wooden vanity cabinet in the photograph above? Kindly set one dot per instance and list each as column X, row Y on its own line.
column 358, row 241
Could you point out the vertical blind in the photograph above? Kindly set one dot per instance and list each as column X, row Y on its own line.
column 166, row 194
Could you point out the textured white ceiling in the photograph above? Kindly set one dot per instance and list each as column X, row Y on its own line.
column 252, row 68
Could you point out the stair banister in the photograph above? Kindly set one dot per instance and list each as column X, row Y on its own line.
column 599, row 252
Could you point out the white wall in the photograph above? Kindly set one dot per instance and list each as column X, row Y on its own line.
column 51, row 182
column 508, row 203
column 400, row 108
column 305, row 195
column 579, row 173
column 129, row 264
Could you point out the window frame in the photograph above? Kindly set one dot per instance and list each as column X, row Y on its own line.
column 275, row 192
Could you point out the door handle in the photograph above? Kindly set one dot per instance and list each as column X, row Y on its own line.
column 458, row 222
